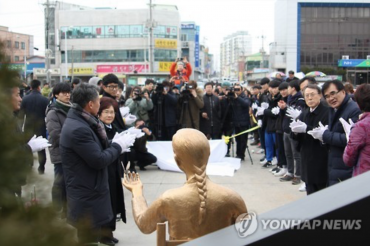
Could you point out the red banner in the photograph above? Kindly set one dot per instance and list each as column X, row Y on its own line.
column 140, row 68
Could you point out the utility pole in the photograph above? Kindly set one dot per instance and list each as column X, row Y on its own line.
column 47, row 52
column 151, row 25
column 72, row 64
column 262, row 50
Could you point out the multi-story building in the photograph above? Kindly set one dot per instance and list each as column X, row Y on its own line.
column 17, row 45
column 100, row 41
column 317, row 34
column 232, row 50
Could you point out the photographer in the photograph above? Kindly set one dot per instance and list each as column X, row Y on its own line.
column 139, row 104
column 139, row 154
column 190, row 103
column 210, row 122
column 241, row 119
column 181, row 71
column 164, row 100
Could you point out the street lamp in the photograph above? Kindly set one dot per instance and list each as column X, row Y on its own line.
column 65, row 50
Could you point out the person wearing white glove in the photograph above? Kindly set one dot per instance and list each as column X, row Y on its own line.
column 125, row 140
column 259, row 123
column 347, row 126
column 293, row 113
column 130, row 119
column 318, row 132
column 124, row 111
column 254, row 106
column 260, row 111
column 275, row 110
column 264, row 105
column 298, row 126
column 137, row 132
column 39, row 143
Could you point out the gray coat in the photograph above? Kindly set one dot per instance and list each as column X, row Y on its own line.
column 140, row 108
column 55, row 118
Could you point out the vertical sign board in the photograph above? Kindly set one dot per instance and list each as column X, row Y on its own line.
column 196, row 55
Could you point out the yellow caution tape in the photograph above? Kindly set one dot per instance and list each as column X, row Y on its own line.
column 227, row 139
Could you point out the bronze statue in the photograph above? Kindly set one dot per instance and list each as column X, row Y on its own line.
column 195, row 209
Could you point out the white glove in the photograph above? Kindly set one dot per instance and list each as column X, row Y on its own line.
column 124, row 139
column 265, row 105
column 293, row 113
column 129, row 119
column 124, row 111
column 38, row 144
column 260, row 111
column 298, row 126
column 259, row 123
column 254, row 106
column 137, row 132
column 318, row 132
column 275, row 110
column 347, row 126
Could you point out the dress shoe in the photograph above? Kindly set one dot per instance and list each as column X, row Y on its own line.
column 142, row 168
column 115, row 240
column 107, row 241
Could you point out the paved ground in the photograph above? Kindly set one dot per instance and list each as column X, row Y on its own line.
column 260, row 190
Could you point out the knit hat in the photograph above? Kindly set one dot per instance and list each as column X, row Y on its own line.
column 110, row 78
column 94, row 81
column 226, row 84
column 283, row 86
column 275, row 83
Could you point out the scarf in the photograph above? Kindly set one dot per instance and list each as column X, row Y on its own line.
column 63, row 106
column 94, row 123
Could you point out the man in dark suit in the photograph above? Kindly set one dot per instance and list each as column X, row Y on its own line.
column 33, row 112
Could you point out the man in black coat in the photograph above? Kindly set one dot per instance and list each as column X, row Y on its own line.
column 33, row 112
column 210, row 122
column 241, row 119
column 165, row 107
column 342, row 106
column 86, row 154
column 314, row 156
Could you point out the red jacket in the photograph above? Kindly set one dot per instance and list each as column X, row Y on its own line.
column 186, row 72
column 357, row 152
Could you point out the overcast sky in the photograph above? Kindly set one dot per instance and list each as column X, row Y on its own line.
column 216, row 18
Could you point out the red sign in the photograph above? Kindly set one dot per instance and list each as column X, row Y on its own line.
column 140, row 68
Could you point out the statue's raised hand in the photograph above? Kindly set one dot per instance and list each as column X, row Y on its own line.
column 133, row 183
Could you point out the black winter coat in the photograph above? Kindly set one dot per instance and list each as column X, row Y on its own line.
column 336, row 140
column 240, row 108
column 269, row 116
column 314, row 156
column 115, row 173
column 85, row 166
column 34, row 107
column 212, row 107
column 169, row 109
column 280, row 118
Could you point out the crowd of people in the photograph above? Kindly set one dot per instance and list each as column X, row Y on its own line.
column 98, row 130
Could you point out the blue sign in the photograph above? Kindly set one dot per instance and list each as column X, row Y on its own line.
column 187, row 26
column 196, row 55
column 354, row 63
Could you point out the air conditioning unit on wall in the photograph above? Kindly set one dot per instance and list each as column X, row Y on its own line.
column 345, row 57
column 368, row 57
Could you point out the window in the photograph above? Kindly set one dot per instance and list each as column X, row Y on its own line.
column 16, row 58
column 184, row 37
column 86, row 32
column 23, row 46
column 9, row 43
column 136, row 31
column 16, row 45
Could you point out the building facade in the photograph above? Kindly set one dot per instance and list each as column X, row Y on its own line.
column 85, row 41
column 17, row 45
column 317, row 34
column 233, row 49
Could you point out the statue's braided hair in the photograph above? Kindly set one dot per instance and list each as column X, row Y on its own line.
column 200, row 177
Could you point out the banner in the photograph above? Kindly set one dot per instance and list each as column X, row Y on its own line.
column 165, row 43
column 140, row 68
column 354, row 63
column 81, row 71
column 196, row 51
column 164, row 66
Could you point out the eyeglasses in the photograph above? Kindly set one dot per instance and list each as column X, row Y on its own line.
column 108, row 112
column 331, row 94
column 310, row 95
column 112, row 87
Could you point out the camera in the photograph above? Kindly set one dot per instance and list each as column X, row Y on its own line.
column 231, row 94
column 180, row 59
column 137, row 95
column 188, row 87
column 159, row 89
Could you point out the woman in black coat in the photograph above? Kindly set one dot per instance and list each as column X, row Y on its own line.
column 106, row 113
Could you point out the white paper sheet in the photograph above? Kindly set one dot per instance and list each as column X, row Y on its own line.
column 218, row 164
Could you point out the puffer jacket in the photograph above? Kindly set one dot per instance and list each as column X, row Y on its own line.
column 140, row 108
column 357, row 152
column 335, row 138
column 55, row 117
